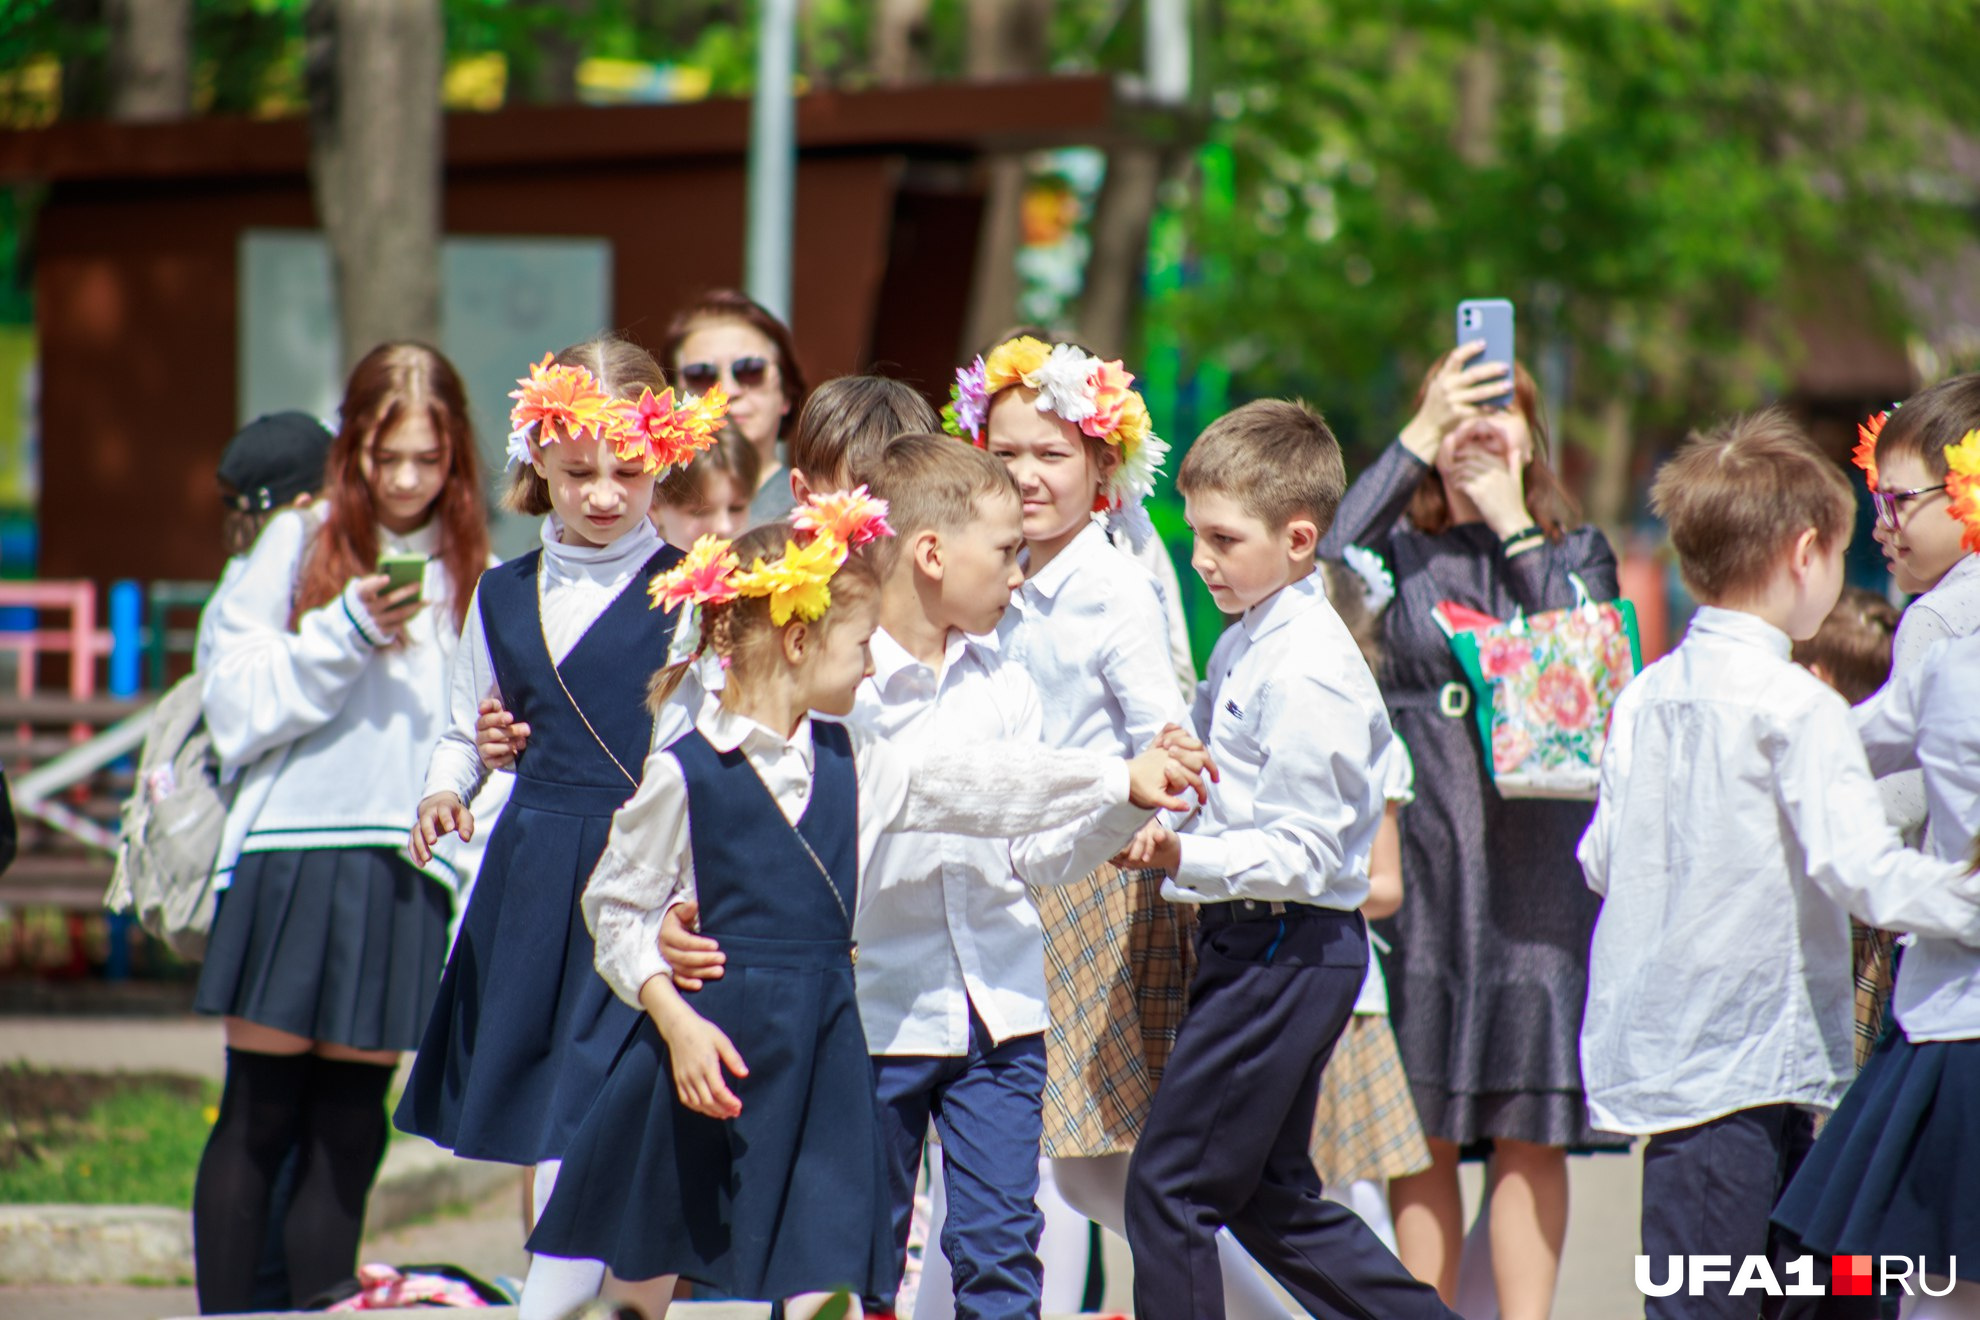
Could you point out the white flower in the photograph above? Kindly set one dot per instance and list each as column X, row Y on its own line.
column 1134, row 479
column 1378, row 588
column 1065, row 384
column 687, row 635
column 518, row 447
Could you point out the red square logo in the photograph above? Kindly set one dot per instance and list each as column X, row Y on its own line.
column 1850, row 1276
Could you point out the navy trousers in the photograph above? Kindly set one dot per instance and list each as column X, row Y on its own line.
column 1226, row 1139
column 986, row 1106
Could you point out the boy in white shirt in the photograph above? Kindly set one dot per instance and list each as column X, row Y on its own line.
column 951, row 976
column 1277, row 863
column 1738, row 829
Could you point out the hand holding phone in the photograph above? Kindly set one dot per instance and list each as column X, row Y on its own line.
column 1490, row 320
column 404, row 571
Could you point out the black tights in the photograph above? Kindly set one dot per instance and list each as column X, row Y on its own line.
column 332, row 1113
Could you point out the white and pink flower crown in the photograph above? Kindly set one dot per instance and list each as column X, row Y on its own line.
column 1096, row 396
column 557, row 402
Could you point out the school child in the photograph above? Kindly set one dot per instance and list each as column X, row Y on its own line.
column 1851, row 652
column 326, row 691
column 706, row 496
column 273, row 463
column 1089, row 626
column 1365, row 1130
column 524, row 1031
column 1737, row 830
column 951, row 982
column 1275, row 862
column 760, row 1170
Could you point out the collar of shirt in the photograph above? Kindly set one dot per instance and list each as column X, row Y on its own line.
column 420, row 541
column 1048, row 581
column 893, row 662
column 1737, row 626
column 1281, row 607
column 725, row 731
column 586, row 560
column 1961, row 578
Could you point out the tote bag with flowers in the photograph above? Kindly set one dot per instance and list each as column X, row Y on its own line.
column 1544, row 685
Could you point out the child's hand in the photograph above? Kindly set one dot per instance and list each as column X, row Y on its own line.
column 440, row 814
column 1157, row 778
column 700, row 1050
column 693, row 958
column 1154, row 847
column 499, row 738
column 1175, row 738
column 388, row 610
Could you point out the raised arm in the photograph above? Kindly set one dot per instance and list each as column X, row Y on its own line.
column 1074, row 850
column 1375, row 503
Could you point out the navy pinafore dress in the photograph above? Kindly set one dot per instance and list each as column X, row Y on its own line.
column 790, row 1196
column 524, row 1029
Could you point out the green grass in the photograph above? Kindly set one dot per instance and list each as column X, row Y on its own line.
column 123, row 1139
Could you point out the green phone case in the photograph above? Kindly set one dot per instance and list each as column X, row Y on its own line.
column 404, row 570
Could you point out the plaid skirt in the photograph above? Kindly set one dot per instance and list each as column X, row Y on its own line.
column 1118, row 959
column 1870, row 951
column 1365, row 1123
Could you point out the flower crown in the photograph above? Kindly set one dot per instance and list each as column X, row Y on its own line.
column 825, row 528
column 560, row 401
column 1963, row 487
column 1074, row 386
column 1865, row 453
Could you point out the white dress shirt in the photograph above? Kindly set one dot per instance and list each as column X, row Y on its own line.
column 1930, row 718
column 1736, row 831
column 993, row 790
column 1149, row 551
column 970, row 935
column 1950, row 609
column 1298, row 729
column 1089, row 628
column 1398, row 775
column 575, row 584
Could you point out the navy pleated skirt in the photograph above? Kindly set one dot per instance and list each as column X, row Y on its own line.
column 1894, row 1172
column 791, row 1196
column 342, row 945
column 525, row 1029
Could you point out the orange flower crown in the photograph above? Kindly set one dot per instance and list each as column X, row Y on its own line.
column 825, row 530
column 557, row 402
column 1963, row 487
column 1865, row 453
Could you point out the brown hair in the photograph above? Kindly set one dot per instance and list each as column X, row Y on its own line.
column 741, row 632
column 1348, row 594
column 1924, row 424
column 1546, row 503
column 1277, row 458
column 1736, row 498
column 731, row 455
column 848, row 420
column 622, row 369
column 240, row 529
column 389, row 382
column 1853, row 645
column 932, row 481
column 729, row 305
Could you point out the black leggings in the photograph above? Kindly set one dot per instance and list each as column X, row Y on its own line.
column 332, row 1115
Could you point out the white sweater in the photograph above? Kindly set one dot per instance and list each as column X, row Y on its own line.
column 329, row 730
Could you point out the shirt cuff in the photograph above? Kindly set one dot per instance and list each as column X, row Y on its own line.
column 1116, row 781
column 1203, row 867
column 360, row 617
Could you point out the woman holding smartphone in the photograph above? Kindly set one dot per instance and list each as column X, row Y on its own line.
column 329, row 691
column 1490, row 968
column 726, row 338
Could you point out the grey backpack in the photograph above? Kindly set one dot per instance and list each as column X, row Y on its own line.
column 172, row 826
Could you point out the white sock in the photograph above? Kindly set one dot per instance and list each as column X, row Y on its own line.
column 1962, row 1303
column 935, row 1294
column 1064, row 1248
column 556, row 1285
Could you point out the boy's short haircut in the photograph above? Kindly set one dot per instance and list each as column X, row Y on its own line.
column 1930, row 420
column 683, row 486
column 1277, row 458
column 847, row 421
column 932, row 481
column 1853, row 645
column 1736, row 498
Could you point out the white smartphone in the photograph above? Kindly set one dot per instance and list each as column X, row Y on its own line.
column 1489, row 319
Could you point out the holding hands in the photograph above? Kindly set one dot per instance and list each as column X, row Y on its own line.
column 499, row 737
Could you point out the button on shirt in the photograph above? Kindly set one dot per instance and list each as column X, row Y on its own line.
column 1737, row 829
column 1298, row 730
column 1929, row 717
column 950, row 923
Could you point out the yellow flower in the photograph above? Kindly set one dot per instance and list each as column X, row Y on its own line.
column 1010, row 362
column 797, row 584
column 1963, row 487
column 1134, row 425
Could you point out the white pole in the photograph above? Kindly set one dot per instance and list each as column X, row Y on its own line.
column 772, row 160
column 1166, row 28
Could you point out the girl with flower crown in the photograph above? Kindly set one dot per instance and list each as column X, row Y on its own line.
column 325, row 696
column 1090, row 627
column 523, row 1031
column 736, row 1142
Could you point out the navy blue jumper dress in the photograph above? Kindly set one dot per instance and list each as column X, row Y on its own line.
column 524, row 1029
column 790, row 1196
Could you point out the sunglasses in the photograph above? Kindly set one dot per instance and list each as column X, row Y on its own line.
column 745, row 373
column 1891, row 503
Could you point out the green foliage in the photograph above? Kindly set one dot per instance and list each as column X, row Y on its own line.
column 101, row 1140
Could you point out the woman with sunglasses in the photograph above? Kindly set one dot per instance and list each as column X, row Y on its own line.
column 725, row 338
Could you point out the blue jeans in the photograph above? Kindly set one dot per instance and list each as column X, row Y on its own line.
column 986, row 1106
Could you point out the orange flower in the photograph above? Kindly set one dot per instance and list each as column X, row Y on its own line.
column 662, row 434
column 1112, row 386
column 1963, row 487
column 850, row 517
column 560, row 402
column 1865, row 453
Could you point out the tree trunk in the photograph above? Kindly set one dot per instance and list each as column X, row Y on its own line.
column 1007, row 39
column 150, row 58
column 1608, row 495
column 900, row 42
column 373, row 69
column 1476, row 130
column 1120, row 248
column 547, row 74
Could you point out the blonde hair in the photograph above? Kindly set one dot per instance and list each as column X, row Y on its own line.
column 622, row 369
column 1736, row 498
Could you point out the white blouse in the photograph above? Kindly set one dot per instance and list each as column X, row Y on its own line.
column 1950, row 609
column 989, row 790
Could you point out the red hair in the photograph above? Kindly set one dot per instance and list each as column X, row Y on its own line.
column 1546, row 502
column 391, row 381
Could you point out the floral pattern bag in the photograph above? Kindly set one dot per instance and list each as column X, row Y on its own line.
column 1544, row 685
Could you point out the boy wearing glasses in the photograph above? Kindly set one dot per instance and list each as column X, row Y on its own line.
column 1915, row 526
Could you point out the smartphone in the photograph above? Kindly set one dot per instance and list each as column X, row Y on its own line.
column 404, row 570
column 1489, row 319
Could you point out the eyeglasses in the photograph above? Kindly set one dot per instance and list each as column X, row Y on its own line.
column 1891, row 503
column 745, row 373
